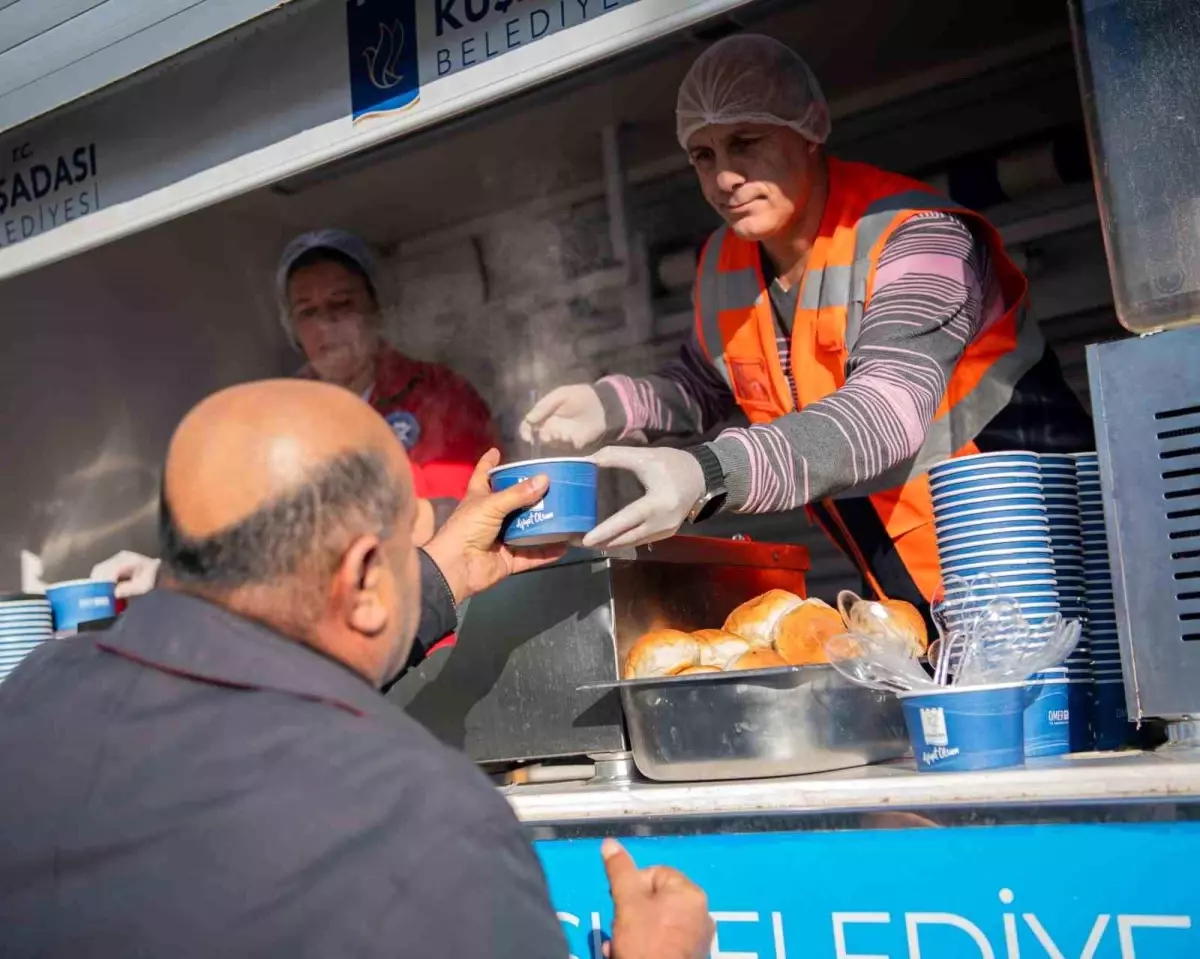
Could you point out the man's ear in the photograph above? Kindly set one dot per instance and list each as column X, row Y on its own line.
column 358, row 587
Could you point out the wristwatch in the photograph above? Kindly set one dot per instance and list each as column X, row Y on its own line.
column 715, row 492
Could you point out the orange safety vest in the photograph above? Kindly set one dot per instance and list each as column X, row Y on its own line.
column 737, row 331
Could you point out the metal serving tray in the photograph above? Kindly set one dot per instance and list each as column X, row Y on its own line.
column 783, row 721
column 511, row 691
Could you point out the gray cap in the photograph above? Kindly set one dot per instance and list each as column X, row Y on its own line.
column 345, row 243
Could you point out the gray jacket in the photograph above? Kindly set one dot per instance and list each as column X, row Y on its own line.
column 190, row 783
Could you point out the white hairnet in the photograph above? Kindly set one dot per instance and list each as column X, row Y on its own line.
column 751, row 78
column 345, row 243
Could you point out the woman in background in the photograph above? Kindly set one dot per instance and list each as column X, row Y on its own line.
column 327, row 289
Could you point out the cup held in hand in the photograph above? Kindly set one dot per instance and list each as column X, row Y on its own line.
column 564, row 514
column 81, row 601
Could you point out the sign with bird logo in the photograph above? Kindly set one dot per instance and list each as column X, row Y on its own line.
column 384, row 70
column 394, row 43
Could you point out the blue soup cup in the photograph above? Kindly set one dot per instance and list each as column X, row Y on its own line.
column 1011, row 569
column 950, row 534
column 1012, row 482
column 567, row 511
column 1020, row 457
column 997, row 514
column 965, row 728
column 990, row 551
column 1021, row 594
column 81, row 601
column 1032, row 534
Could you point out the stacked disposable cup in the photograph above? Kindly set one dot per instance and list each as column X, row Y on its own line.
column 1110, row 721
column 991, row 520
column 25, row 624
column 1060, row 487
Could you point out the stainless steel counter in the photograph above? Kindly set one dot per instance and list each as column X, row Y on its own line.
column 1080, row 780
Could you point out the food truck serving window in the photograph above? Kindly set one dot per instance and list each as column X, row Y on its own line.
column 317, row 82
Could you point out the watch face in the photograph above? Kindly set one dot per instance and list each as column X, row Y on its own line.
column 708, row 505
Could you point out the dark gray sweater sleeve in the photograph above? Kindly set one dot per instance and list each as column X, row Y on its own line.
column 439, row 615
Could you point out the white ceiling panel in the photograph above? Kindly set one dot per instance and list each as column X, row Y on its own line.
column 55, row 51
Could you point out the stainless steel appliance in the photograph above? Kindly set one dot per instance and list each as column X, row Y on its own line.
column 1146, row 400
column 511, row 689
column 1141, row 94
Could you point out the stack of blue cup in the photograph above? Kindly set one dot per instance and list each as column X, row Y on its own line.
column 1110, row 721
column 25, row 624
column 990, row 517
column 1060, row 487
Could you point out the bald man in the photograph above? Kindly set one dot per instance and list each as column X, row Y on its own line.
column 218, row 774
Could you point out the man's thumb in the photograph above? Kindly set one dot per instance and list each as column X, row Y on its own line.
column 619, row 865
column 478, row 483
column 518, row 496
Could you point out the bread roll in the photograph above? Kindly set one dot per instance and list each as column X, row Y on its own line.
column 800, row 634
column 693, row 670
column 758, row 659
column 719, row 648
column 755, row 619
column 661, row 652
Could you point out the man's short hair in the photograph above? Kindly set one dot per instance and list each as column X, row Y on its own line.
column 296, row 539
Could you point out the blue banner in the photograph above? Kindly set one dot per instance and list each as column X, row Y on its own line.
column 1120, row 891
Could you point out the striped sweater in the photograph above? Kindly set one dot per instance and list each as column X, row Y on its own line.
column 934, row 293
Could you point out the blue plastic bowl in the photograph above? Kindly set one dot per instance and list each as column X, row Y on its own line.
column 81, row 601
column 955, row 730
column 567, row 511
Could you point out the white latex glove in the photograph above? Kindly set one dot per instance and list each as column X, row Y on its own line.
column 674, row 483
column 133, row 573
column 568, row 416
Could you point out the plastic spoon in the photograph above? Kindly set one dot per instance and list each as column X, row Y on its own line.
column 870, row 662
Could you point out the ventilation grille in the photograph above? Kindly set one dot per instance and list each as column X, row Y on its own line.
column 1178, row 434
